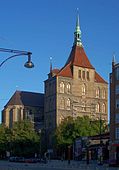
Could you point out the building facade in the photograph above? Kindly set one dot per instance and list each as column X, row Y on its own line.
column 74, row 90
column 114, row 113
column 24, row 105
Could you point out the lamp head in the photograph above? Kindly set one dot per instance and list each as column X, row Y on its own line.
column 29, row 63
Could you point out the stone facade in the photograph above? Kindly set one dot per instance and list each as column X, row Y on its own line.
column 74, row 90
column 24, row 105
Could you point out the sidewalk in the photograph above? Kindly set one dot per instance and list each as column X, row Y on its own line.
column 76, row 165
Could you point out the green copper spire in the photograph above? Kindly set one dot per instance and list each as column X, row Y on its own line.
column 77, row 33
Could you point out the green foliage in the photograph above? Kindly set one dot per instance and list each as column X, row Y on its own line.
column 4, row 138
column 70, row 129
column 65, row 132
column 25, row 141
column 21, row 140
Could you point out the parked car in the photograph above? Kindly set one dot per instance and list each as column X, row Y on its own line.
column 20, row 159
column 12, row 159
column 31, row 160
column 16, row 159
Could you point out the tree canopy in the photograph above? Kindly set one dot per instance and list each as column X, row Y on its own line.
column 24, row 138
column 20, row 140
column 70, row 129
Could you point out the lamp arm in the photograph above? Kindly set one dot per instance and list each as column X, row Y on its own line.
column 12, row 57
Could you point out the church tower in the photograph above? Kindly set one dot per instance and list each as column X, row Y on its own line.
column 74, row 90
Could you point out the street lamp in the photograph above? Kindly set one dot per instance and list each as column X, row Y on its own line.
column 28, row 64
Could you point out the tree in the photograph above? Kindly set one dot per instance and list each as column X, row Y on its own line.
column 65, row 133
column 24, row 141
column 70, row 129
column 4, row 139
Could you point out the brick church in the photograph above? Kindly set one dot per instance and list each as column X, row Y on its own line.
column 74, row 90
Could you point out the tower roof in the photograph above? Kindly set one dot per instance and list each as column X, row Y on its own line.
column 78, row 58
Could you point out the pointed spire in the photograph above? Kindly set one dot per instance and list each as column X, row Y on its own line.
column 77, row 33
column 50, row 64
column 113, row 60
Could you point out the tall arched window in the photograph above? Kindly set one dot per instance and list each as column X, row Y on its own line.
column 62, row 103
column 88, row 76
column 83, row 89
column 18, row 114
column 97, row 93
column 68, row 88
column 79, row 74
column 61, row 87
column 68, row 103
column 103, row 108
column 103, row 93
column 97, row 108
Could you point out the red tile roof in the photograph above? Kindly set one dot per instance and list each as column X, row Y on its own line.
column 79, row 58
column 99, row 79
column 66, row 71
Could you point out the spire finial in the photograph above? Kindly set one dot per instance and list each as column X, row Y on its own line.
column 113, row 59
column 50, row 64
column 77, row 33
column 77, row 22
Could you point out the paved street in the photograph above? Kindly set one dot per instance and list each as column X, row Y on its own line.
column 53, row 165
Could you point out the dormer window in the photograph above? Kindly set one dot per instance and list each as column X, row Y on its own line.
column 83, row 89
column 88, row 78
column 83, row 75
column 79, row 74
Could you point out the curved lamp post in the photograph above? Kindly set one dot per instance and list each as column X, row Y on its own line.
column 28, row 64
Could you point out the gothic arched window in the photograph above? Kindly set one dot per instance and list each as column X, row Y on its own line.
column 97, row 93
column 61, row 87
column 68, row 103
column 97, row 107
column 68, row 88
column 83, row 89
column 103, row 108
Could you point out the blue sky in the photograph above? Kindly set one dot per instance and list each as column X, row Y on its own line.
column 46, row 28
